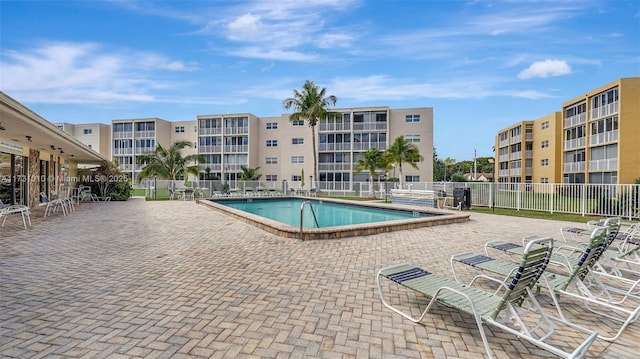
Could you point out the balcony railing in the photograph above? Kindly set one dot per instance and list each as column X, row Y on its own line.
column 358, row 146
column 145, row 134
column 575, row 143
column 214, row 167
column 575, row 120
column 515, row 172
column 236, row 130
column 210, row 131
column 370, row 126
column 604, row 137
column 324, row 126
column 503, row 158
column 515, row 155
column 605, row 110
column 236, row 148
column 122, row 151
column 503, row 143
column 574, row 166
column 210, row 149
column 334, row 167
column 123, row 134
column 334, row 146
column 515, row 139
column 503, row 173
column 609, row 164
column 144, row 150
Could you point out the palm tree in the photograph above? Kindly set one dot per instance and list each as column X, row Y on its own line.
column 168, row 163
column 311, row 104
column 402, row 151
column 249, row 174
column 448, row 162
column 370, row 160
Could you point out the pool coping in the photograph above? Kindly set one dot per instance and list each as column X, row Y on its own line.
column 288, row 231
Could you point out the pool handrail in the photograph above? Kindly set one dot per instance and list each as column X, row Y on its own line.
column 302, row 216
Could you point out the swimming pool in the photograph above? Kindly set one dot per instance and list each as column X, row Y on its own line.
column 317, row 213
column 281, row 216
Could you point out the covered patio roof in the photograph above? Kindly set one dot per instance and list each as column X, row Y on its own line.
column 22, row 127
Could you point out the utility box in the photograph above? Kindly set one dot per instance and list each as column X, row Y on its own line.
column 462, row 198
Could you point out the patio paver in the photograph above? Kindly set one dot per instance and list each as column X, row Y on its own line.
column 174, row 279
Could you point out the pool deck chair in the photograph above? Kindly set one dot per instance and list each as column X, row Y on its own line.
column 582, row 283
column 498, row 309
column 6, row 210
column 52, row 205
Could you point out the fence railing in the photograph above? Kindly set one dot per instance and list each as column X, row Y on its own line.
column 582, row 199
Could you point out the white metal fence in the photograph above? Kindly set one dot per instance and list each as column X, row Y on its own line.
column 583, row 199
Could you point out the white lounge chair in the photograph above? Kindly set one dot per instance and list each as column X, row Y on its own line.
column 8, row 209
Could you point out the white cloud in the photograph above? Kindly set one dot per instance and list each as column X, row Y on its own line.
column 546, row 68
column 66, row 72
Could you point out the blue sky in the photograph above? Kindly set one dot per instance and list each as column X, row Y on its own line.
column 482, row 65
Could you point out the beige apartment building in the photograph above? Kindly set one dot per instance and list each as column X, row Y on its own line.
column 593, row 140
column 281, row 148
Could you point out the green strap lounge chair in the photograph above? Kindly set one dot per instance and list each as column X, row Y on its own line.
column 581, row 283
column 500, row 308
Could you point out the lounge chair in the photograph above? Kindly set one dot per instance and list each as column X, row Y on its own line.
column 581, row 283
column 491, row 308
column 8, row 209
column 52, row 205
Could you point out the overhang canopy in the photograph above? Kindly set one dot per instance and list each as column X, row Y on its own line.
column 20, row 126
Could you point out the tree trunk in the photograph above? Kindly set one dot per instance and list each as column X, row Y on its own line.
column 315, row 159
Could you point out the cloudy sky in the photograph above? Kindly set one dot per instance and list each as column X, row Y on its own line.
column 482, row 65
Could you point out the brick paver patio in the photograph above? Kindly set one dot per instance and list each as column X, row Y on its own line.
column 174, row 279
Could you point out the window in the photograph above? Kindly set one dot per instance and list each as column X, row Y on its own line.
column 412, row 178
column 412, row 138
column 272, row 143
column 544, row 162
column 297, row 159
column 296, row 178
column 271, row 178
column 272, row 125
column 272, row 160
column 179, row 129
column 544, row 144
column 412, row 118
column 297, row 123
column 88, row 131
column 544, row 180
column 544, row 125
column 297, row 141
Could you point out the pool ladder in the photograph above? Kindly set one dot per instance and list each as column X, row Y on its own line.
column 302, row 216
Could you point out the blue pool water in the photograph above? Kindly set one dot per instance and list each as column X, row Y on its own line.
column 328, row 214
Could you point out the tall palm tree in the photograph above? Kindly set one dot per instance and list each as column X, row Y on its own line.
column 448, row 162
column 168, row 163
column 311, row 104
column 402, row 151
column 370, row 160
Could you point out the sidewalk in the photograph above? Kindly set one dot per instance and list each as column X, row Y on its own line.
column 173, row 279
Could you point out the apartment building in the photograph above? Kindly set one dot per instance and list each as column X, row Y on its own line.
column 96, row 136
column 594, row 139
column 281, row 148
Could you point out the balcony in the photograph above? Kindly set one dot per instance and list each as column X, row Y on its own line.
column 145, row 134
column 358, row 146
column 370, row 126
column 236, row 149
column 515, row 155
column 604, row 137
column 515, row 172
column 214, row 167
column 516, row 139
column 503, row 143
column 210, row 131
column 608, row 164
column 574, row 166
column 503, row 158
column 236, row 130
column 334, row 146
column 575, row 120
column 123, row 134
column 528, row 154
column 144, row 150
column 503, row 173
column 210, row 149
column 328, row 167
column 331, row 126
column 575, row 143
column 122, row 151
column 605, row 110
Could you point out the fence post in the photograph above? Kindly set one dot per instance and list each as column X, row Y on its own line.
column 583, row 207
column 552, row 196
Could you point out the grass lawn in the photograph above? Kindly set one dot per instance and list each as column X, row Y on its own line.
column 536, row 214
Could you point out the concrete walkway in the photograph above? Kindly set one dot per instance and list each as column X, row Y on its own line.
column 174, row 279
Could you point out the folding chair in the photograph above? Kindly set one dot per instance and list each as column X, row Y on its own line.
column 491, row 308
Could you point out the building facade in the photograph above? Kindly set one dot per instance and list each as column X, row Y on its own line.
column 282, row 149
column 593, row 140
